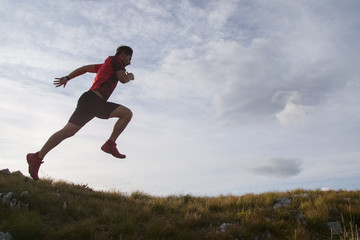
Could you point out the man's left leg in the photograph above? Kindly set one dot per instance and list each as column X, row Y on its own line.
column 124, row 114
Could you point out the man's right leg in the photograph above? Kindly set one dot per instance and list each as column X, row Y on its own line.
column 68, row 131
column 83, row 113
column 35, row 159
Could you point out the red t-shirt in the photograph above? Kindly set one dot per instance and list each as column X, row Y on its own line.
column 106, row 80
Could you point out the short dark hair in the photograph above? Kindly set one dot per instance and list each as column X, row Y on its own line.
column 126, row 49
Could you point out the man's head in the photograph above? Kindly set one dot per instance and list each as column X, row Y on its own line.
column 125, row 52
column 124, row 49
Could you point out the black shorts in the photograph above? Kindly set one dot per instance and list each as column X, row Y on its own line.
column 90, row 105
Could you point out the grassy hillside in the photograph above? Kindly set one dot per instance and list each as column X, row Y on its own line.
column 58, row 210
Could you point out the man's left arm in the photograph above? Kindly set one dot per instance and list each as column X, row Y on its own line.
column 124, row 77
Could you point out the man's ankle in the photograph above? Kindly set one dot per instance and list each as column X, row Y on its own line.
column 111, row 141
column 40, row 156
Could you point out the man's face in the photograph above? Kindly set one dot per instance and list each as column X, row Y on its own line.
column 126, row 59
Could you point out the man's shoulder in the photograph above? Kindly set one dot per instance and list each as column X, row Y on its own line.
column 110, row 60
column 117, row 63
column 115, row 58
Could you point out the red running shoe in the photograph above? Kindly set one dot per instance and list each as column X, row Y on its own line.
column 110, row 147
column 34, row 162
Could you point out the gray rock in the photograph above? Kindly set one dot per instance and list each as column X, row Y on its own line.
column 267, row 234
column 13, row 203
column 6, row 198
column 224, row 226
column 5, row 236
column 282, row 202
column 335, row 227
column 9, row 200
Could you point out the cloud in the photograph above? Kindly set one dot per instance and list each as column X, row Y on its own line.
column 293, row 112
column 233, row 63
column 279, row 167
column 307, row 59
column 220, row 14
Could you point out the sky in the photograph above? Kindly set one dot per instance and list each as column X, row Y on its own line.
column 229, row 97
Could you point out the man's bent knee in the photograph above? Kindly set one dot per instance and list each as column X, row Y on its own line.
column 129, row 115
column 122, row 112
column 126, row 115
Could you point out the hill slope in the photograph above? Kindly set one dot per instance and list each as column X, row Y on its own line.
column 58, row 210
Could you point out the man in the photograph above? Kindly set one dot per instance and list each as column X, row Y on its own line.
column 93, row 103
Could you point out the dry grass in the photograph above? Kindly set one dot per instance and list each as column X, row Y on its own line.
column 110, row 215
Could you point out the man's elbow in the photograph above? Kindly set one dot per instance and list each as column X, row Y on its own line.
column 123, row 81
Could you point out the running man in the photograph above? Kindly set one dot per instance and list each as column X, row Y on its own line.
column 93, row 103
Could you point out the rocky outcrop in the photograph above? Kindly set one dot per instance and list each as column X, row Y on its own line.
column 5, row 236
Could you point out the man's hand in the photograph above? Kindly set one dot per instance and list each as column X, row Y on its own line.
column 130, row 76
column 124, row 76
column 60, row 81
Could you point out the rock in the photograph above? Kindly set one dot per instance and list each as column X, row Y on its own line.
column 6, row 198
column 267, row 235
column 9, row 200
column 5, row 171
column 5, row 236
column 13, row 203
column 282, row 202
column 335, row 227
column 224, row 226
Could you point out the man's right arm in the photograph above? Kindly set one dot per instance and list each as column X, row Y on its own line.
column 77, row 72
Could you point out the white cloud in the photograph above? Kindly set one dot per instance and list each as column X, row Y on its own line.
column 220, row 14
column 293, row 113
column 300, row 54
column 24, row 57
